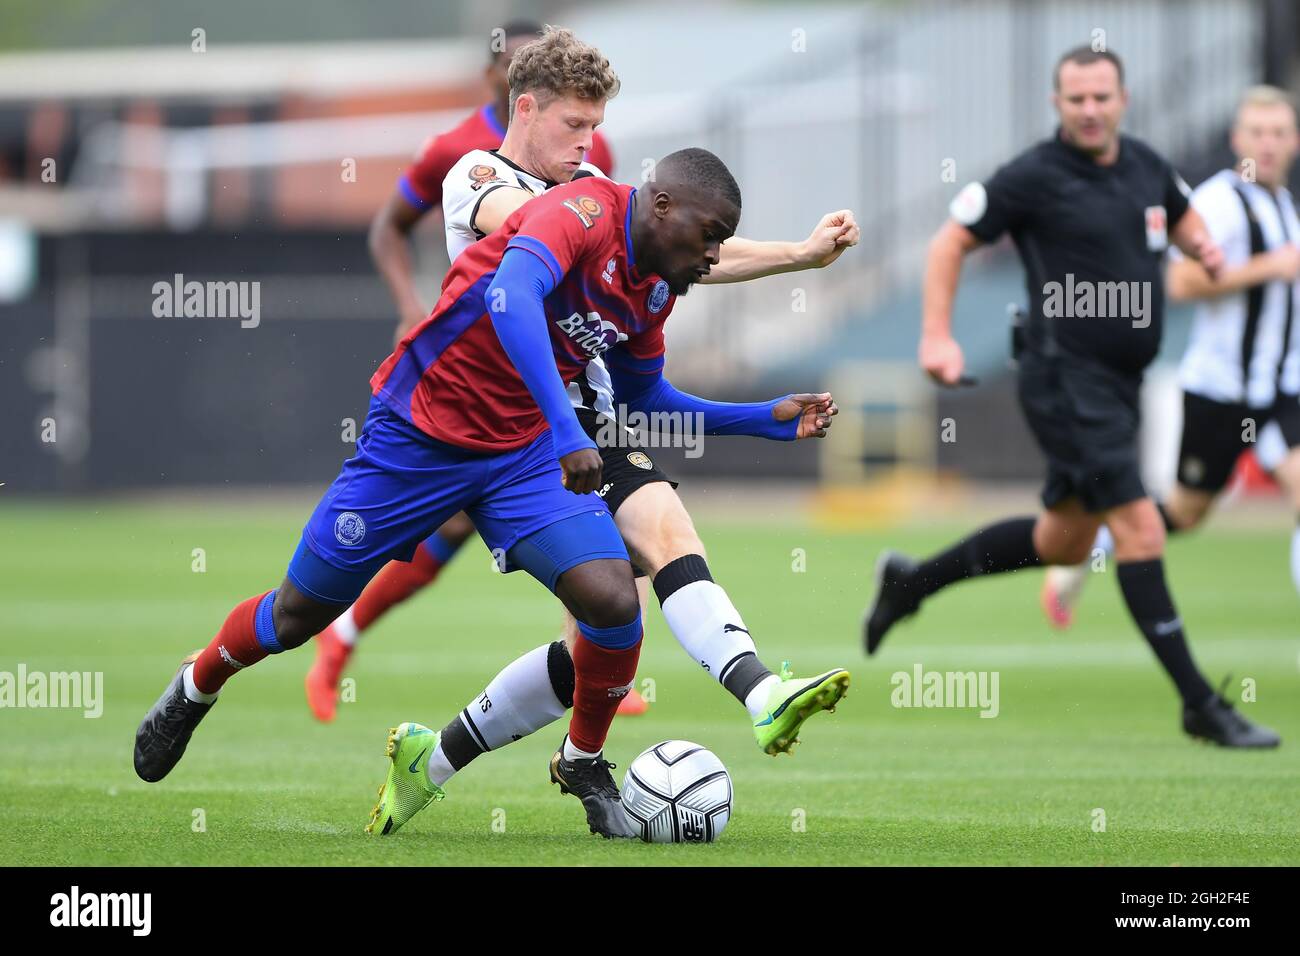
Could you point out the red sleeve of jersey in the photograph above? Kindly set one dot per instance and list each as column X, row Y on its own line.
column 601, row 156
column 421, row 184
column 561, row 225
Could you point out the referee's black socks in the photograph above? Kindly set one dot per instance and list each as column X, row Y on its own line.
column 1148, row 600
column 1005, row 546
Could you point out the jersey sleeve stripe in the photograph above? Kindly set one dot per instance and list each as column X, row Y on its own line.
column 473, row 213
column 539, row 249
column 426, row 348
column 410, row 195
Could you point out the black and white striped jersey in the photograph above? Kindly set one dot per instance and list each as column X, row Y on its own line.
column 1243, row 346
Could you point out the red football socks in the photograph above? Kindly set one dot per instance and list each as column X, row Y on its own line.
column 234, row 648
column 602, row 679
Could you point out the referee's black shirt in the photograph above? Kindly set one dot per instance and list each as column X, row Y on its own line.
column 1102, row 224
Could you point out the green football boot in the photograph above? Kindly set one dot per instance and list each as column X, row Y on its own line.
column 407, row 790
column 793, row 701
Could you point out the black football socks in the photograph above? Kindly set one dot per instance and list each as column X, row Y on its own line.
column 1005, row 546
column 1148, row 600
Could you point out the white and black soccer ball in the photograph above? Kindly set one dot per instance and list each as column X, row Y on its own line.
column 677, row 792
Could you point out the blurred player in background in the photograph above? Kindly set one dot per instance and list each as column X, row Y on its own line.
column 1086, row 208
column 418, row 192
column 1241, row 371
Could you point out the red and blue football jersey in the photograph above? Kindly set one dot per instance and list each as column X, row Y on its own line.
column 450, row 376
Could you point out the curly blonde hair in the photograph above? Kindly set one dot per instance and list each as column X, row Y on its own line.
column 559, row 64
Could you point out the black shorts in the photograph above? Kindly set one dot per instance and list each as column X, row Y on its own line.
column 1085, row 418
column 1216, row 433
column 624, row 466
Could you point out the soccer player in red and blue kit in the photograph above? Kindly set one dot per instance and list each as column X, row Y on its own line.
column 418, row 192
column 559, row 89
column 471, row 413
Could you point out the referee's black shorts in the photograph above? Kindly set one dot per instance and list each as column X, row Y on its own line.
column 1085, row 418
column 1216, row 433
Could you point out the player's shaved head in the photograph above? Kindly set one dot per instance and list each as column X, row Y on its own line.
column 684, row 212
column 701, row 170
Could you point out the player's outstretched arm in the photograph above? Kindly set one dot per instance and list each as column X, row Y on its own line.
column 744, row 259
column 514, row 300
column 939, row 353
column 791, row 417
column 390, row 249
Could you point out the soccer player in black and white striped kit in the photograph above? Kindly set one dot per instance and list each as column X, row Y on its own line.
column 1241, row 372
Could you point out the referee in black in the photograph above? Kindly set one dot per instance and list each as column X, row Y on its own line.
column 1091, row 212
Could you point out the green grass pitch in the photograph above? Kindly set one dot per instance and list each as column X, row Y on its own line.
column 1086, row 722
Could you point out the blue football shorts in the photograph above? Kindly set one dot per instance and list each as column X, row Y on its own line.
column 402, row 484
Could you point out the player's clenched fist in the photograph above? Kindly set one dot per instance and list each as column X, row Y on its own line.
column 581, row 470
column 813, row 409
column 941, row 359
column 836, row 232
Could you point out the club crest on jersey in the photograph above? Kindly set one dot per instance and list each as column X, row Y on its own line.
column 482, row 175
column 349, row 528
column 640, row 459
column 608, row 274
column 1157, row 232
column 585, row 208
column 591, row 333
column 658, row 297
